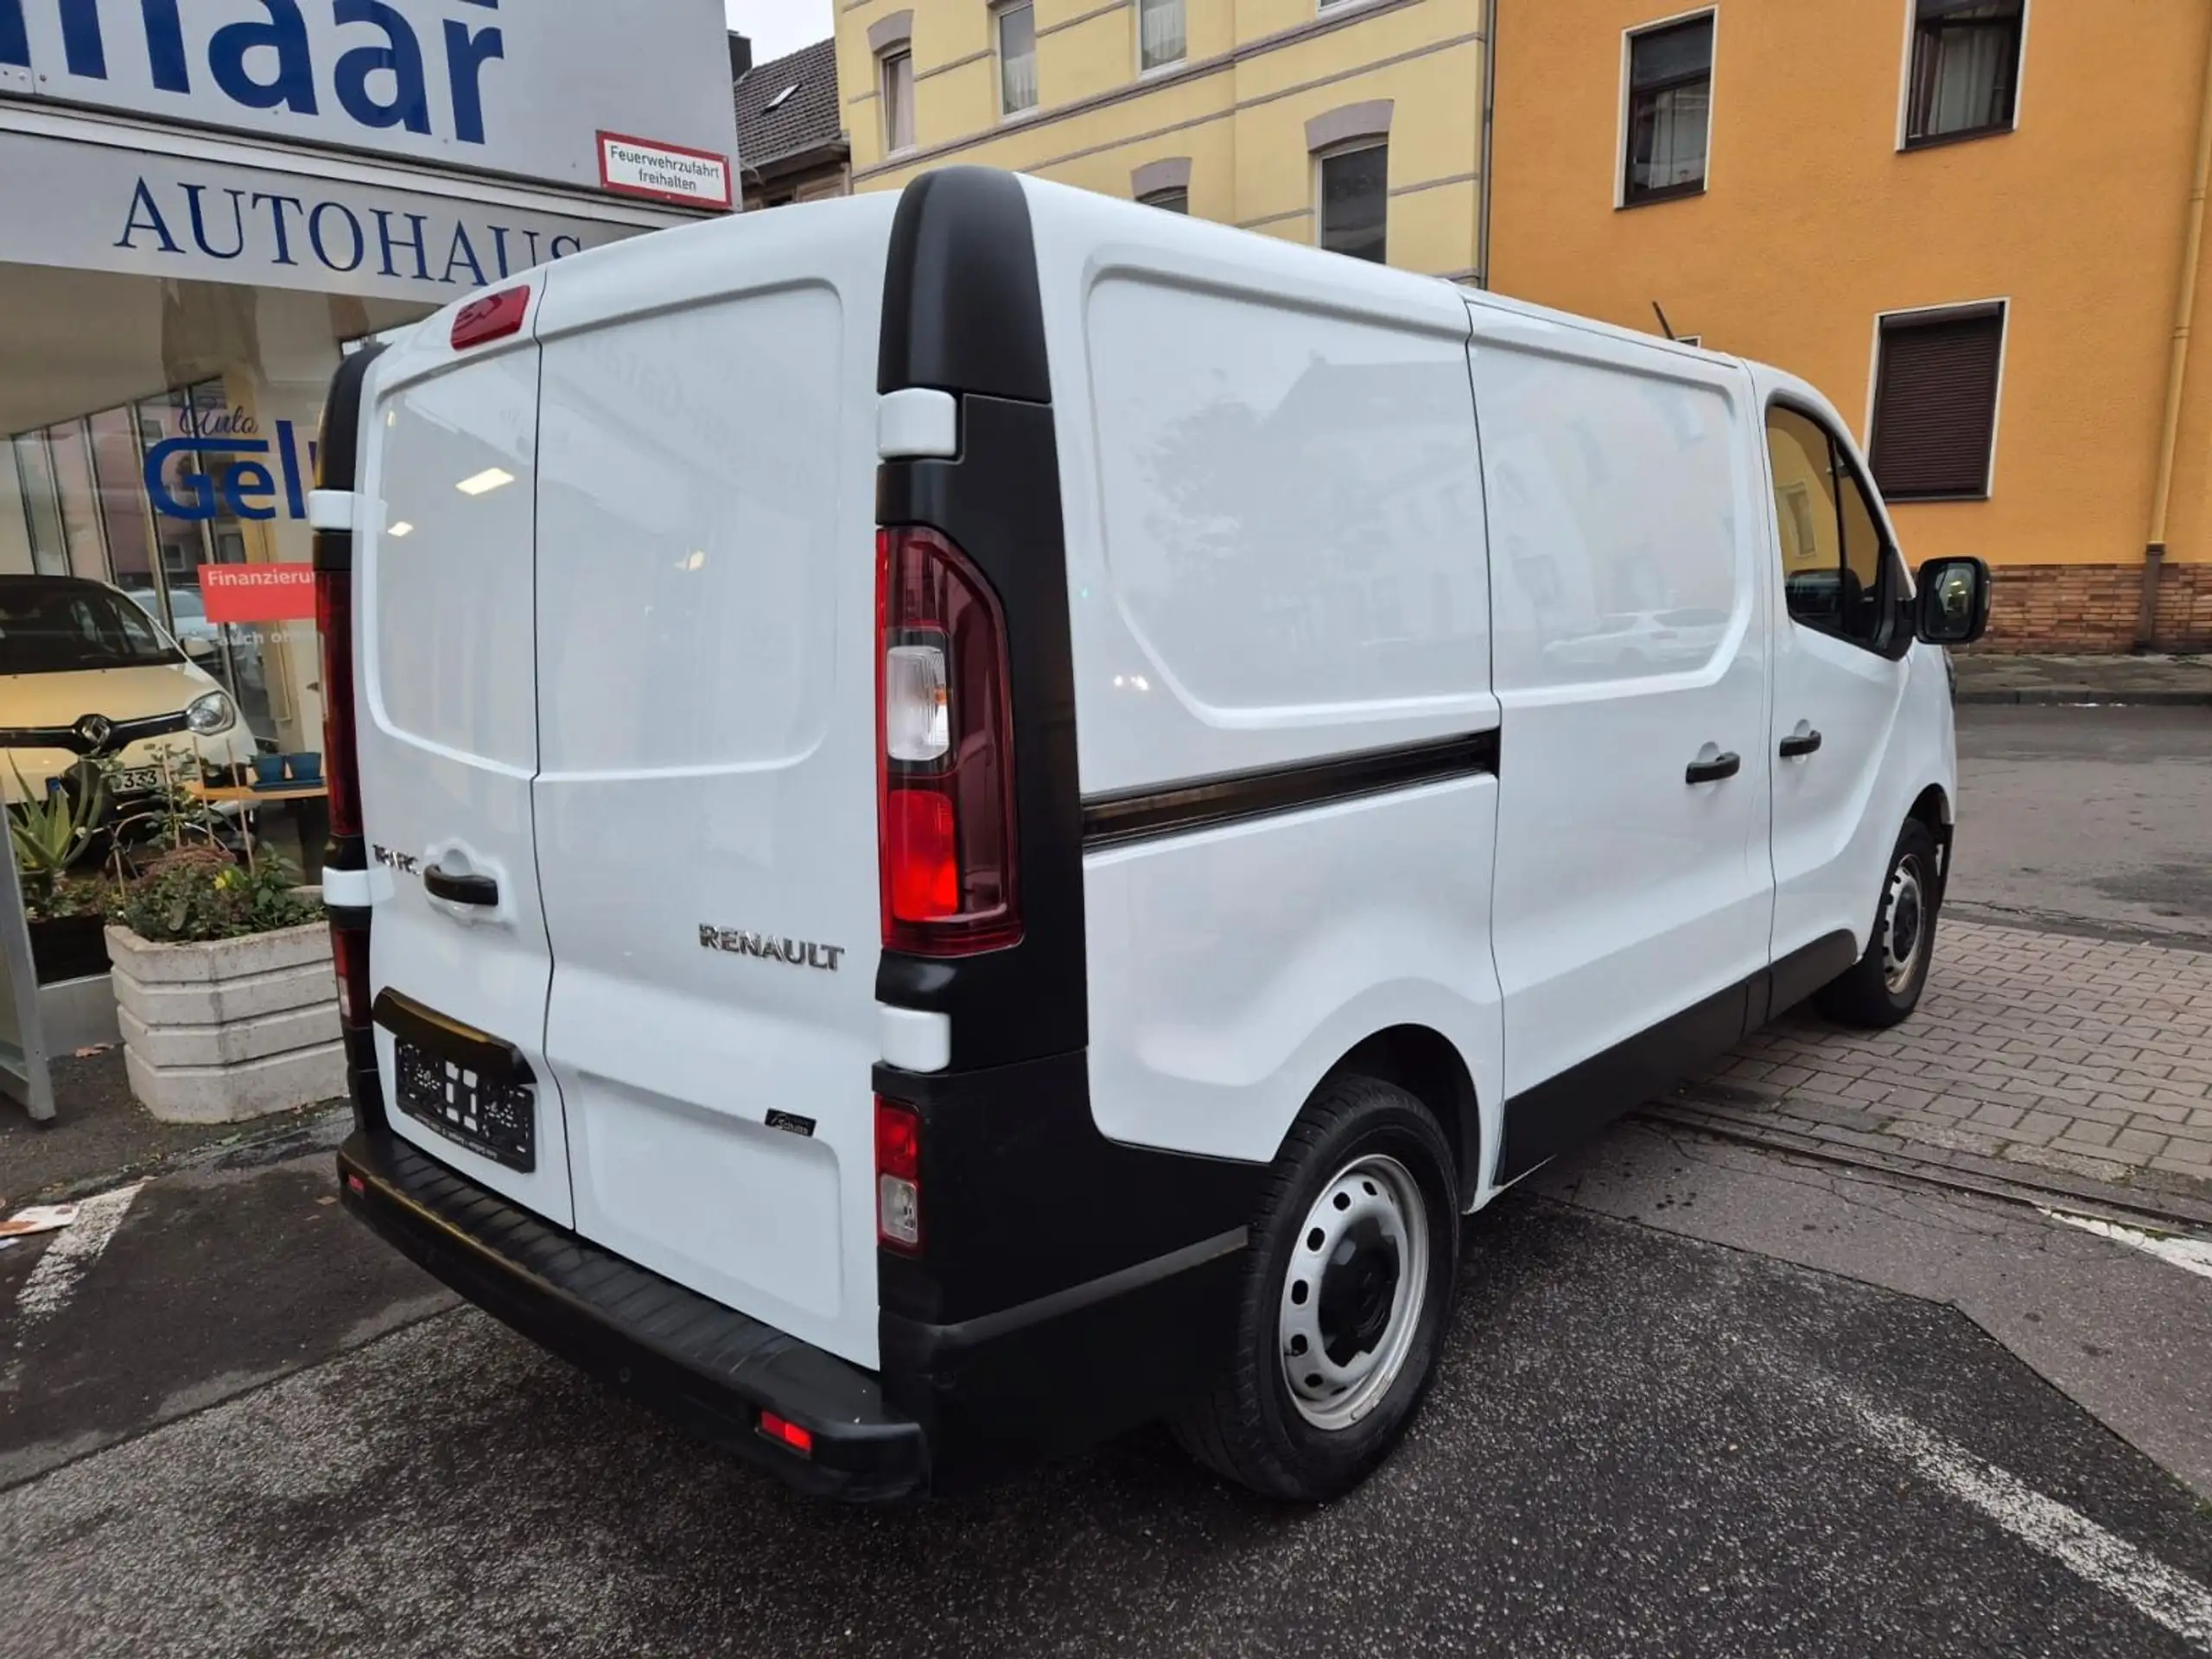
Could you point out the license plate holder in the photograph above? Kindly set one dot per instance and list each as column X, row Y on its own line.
column 494, row 1118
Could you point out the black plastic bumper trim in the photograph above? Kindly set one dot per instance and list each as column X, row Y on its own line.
column 987, row 1327
column 708, row 1367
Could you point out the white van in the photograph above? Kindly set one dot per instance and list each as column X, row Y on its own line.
column 981, row 814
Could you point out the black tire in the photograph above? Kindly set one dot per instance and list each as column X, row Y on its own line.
column 1869, row 994
column 1249, row 1426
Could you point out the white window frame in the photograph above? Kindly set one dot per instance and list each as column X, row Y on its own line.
column 1352, row 146
column 1621, row 121
column 1954, row 307
column 998, row 14
column 883, row 85
column 1905, row 76
column 1136, row 31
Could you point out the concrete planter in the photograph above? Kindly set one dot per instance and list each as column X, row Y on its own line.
column 232, row 1029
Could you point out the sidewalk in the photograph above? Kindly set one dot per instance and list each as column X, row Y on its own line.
column 2077, row 1065
column 1985, row 676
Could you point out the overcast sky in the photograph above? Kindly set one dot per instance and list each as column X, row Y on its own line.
column 776, row 27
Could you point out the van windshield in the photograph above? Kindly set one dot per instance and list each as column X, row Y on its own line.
column 55, row 624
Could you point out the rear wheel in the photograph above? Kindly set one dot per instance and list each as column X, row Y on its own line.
column 1347, row 1287
column 1884, row 985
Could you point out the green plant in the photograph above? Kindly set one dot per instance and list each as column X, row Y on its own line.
column 51, row 833
column 202, row 894
column 170, row 815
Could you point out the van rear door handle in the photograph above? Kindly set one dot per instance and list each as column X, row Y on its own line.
column 1713, row 771
column 440, row 883
column 1798, row 745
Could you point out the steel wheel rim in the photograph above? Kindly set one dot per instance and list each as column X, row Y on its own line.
column 1904, row 925
column 1353, row 1291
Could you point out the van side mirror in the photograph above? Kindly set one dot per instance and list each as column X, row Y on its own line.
column 1954, row 598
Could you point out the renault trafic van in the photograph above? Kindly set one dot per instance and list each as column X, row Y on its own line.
column 966, row 818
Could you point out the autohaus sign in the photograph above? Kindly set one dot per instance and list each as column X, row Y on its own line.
column 521, row 87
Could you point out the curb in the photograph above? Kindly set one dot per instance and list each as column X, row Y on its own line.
column 1957, row 1172
column 2067, row 695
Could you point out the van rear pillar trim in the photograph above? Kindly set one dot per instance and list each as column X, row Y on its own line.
column 913, row 1040
column 1232, row 798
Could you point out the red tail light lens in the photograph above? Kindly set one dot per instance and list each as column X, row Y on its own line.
column 944, row 752
column 494, row 316
column 898, row 1176
column 349, row 953
column 333, row 621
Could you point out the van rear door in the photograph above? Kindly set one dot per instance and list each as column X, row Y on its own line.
column 706, row 805
column 448, row 734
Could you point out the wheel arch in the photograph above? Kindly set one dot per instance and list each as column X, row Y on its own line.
column 1428, row 1066
column 1933, row 808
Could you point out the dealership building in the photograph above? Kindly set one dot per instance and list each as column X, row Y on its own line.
column 203, row 207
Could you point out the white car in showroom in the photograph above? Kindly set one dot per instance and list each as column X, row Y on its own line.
column 85, row 674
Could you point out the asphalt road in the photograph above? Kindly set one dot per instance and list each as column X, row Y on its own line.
column 2097, row 817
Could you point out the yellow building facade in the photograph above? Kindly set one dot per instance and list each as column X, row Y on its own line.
column 1970, row 222
column 1358, row 124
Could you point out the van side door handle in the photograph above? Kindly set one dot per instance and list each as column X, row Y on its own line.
column 1713, row 771
column 440, row 883
column 1797, row 745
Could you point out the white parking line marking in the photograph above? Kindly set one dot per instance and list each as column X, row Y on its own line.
column 53, row 1279
column 2147, row 1585
column 2190, row 1255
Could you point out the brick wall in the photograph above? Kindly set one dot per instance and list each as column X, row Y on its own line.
column 2092, row 607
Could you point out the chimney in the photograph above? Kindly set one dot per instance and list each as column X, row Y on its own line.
column 741, row 56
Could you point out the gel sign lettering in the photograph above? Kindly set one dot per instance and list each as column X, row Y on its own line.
column 373, row 67
column 247, row 488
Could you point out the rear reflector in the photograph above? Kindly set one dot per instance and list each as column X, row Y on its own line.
column 493, row 317
column 787, row 1433
column 898, row 1176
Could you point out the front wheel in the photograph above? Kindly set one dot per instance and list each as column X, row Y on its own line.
column 1884, row 985
column 1349, row 1282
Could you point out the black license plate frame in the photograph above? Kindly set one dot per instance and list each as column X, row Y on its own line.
column 493, row 1118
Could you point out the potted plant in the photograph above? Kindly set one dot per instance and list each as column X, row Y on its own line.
column 54, row 839
column 224, row 986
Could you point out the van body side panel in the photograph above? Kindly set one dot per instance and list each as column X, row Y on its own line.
column 705, row 804
column 1275, row 557
column 1632, row 905
column 447, row 721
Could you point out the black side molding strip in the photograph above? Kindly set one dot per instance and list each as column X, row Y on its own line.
column 1140, row 815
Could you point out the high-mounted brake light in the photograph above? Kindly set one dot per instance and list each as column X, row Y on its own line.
column 493, row 317
column 898, row 1176
column 944, row 752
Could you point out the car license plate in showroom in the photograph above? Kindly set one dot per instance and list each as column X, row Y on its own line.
column 135, row 778
column 492, row 1120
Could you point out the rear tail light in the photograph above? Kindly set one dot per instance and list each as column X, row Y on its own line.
column 333, row 621
column 493, row 317
column 944, row 752
column 898, row 1176
column 349, row 954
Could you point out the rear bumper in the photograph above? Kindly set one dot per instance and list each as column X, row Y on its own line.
column 709, row 1368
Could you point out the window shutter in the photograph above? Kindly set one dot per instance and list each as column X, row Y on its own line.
column 1935, row 405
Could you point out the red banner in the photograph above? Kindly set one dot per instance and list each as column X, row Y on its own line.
column 258, row 593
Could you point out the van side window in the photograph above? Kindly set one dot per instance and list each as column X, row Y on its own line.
column 1833, row 569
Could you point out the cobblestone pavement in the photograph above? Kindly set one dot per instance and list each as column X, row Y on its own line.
column 2081, row 1056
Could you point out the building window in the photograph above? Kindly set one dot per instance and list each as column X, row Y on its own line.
column 1160, row 33
column 899, row 101
column 1966, row 69
column 1355, row 201
column 1172, row 201
column 1017, row 31
column 1936, row 403
column 1669, row 111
